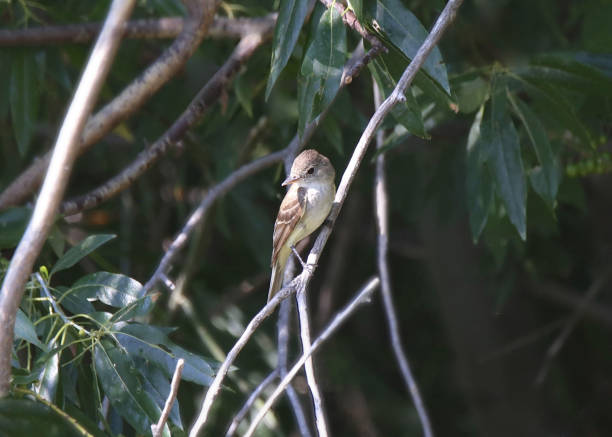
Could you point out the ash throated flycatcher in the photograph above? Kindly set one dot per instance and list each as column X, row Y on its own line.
column 304, row 208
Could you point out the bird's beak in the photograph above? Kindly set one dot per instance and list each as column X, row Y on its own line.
column 290, row 180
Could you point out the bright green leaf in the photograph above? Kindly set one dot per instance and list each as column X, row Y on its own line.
column 24, row 93
column 288, row 26
column 80, row 251
column 119, row 378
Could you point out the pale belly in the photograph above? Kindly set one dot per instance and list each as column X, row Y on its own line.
column 318, row 205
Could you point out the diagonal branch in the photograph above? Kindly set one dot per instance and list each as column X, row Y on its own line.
column 363, row 296
column 64, row 155
column 200, row 104
column 128, row 101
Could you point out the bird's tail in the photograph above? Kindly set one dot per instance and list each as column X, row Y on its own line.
column 278, row 273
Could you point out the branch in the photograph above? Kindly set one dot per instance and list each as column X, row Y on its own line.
column 239, row 417
column 397, row 96
column 64, row 155
column 317, row 400
column 128, row 101
column 213, row 390
column 207, row 96
column 382, row 225
column 556, row 345
column 363, row 296
column 350, row 20
column 156, row 429
column 160, row 28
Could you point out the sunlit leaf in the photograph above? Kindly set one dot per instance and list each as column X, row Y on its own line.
column 110, row 288
column 80, row 251
column 288, row 25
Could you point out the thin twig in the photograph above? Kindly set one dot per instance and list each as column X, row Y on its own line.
column 64, row 154
column 199, row 213
column 156, row 429
column 317, row 400
column 198, row 106
column 578, row 314
column 239, row 417
column 159, row 28
column 363, row 296
column 382, row 225
column 166, row 66
column 215, row 386
column 56, row 307
column 284, row 320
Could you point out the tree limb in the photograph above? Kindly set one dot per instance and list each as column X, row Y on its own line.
column 64, row 155
column 128, row 101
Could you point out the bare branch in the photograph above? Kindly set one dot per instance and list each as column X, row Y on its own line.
column 202, row 102
column 160, row 28
column 317, row 400
column 213, row 390
column 556, row 345
column 64, row 154
column 128, row 101
column 239, row 417
column 363, row 296
column 382, row 225
column 156, row 429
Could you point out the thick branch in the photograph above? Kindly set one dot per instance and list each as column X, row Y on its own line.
column 126, row 103
column 160, row 28
column 64, row 154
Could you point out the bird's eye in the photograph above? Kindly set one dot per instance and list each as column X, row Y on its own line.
column 311, row 170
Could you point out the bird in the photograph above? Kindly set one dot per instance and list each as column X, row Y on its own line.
column 304, row 208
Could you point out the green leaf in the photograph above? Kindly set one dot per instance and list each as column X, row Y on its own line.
column 75, row 304
column 504, row 157
column 138, row 308
column 49, row 377
column 13, row 222
column 471, row 93
column 24, row 99
column 80, row 251
column 243, row 94
column 408, row 114
column 24, row 329
column 546, row 179
column 157, row 384
column 5, row 83
column 119, row 378
column 397, row 26
column 322, row 66
column 479, row 185
column 26, row 418
column 288, row 26
column 112, row 289
column 152, row 344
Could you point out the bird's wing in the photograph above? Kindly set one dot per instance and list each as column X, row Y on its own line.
column 290, row 213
